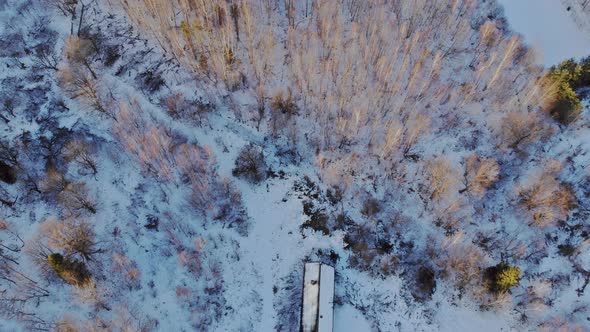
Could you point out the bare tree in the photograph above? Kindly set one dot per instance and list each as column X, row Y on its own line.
column 72, row 195
column 250, row 164
column 461, row 264
column 546, row 199
column 19, row 293
column 79, row 85
column 67, row 7
column 480, row 173
column 82, row 153
column 72, row 237
column 79, row 52
column 75, row 197
column 54, row 182
column 522, row 129
column 443, row 178
column 46, row 58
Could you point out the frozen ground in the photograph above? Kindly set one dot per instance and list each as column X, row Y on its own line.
column 258, row 271
column 547, row 26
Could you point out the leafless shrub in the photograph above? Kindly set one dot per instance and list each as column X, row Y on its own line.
column 480, row 174
column 206, row 299
column 8, row 174
column 79, row 52
column 129, row 318
column 11, row 245
column 127, row 270
column 38, row 252
column 371, row 207
column 229, row 207
column 92, row 294
column 12, row 307
column 125, row 317
column 521, row 129
column 287, row 303
column 82, row 153
column 451, row 217
column 72, row 195
column 443, row 178
column 250, row 164
column 67, row 7
column 45, row 58
column 507, row 244
column 179, row 107
column 8, row 153
column 150, row 145
column 282, row 107
column 546, row 199
column 370, row 251
column 50, row 146
column 196, row 165
column 79, row 80
column 557, row 323
column 78, row 85
column 284, row 104
column 335, row 172
column 423, row 284
column 20, row 293
column 535, row 301
column 414, row 128
column 54, row 182
column 461, row 263
column 67, row 324
column 73, row 238
column 166, row 157
column 75, row 197
column 9, row 104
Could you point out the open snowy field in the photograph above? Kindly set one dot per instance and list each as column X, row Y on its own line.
column 548, row 27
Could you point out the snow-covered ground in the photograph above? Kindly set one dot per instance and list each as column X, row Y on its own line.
column 196, row 273
column 548, row 27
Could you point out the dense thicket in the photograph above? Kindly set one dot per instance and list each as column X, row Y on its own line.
column 168, row 158
column 375, row 77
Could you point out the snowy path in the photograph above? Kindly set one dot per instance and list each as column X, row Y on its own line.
column 268, row 253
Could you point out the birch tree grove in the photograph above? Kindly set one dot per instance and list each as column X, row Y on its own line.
column 376, row 77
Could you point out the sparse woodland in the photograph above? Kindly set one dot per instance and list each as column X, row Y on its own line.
column 170, row 164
